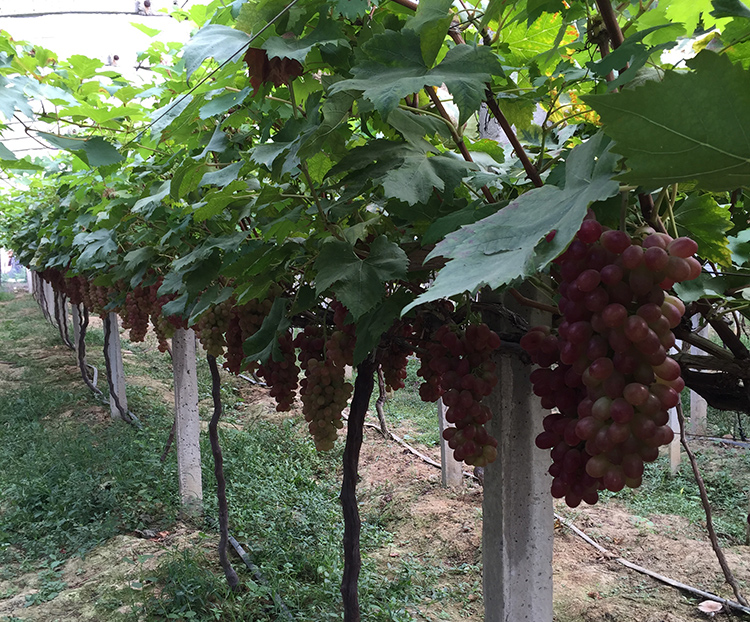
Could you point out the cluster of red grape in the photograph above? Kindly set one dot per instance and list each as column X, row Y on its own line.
column 282, row 376
column 72, row 287
column 140, row 305
column 607, row 371
column 396, row 355
column 324, row 390
column 458, row 366
column 97, row 297
column 212, row 326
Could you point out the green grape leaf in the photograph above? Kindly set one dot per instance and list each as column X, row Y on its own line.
column 431, row 23
column 739, row 246
column 511, row 244
column 372, row 326
column 701, row 218
column 222, row 103
column 665, row 141
column 351, row 9
column 729, row 8
column 93, row 151
column 418, row 174
column 222, row 43
column 327, row 36
column 264, row 344
column 223, row 177
column 395, row 68
column 359, row 283
column 6, row 154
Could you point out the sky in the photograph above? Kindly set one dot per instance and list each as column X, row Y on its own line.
column 95, row 28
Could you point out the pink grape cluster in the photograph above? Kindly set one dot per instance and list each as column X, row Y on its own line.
column 459, row 367
column 607, row 371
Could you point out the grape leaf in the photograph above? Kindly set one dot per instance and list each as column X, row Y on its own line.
column 223, row 43
column 394, row 68
column 700, row 217
column 372, row 326
column 359, row 283
column 665, row 141
column 510, row 244
column 222, row 103
column 326, row 36
column 431, row 23
column 264, row 343
column 729, row 8
column 739, row 246
column 5, row 153
column 93, row 151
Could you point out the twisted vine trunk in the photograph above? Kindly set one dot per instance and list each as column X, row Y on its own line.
column 83, row 323
column 363, row 387
column 221, row 484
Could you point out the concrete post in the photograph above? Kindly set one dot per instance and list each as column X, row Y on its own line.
column 30, row 281
column 518, row 527
column 187, row 430
column 49, row 299
column 674, row 447
column 452, row 471
column 698, row 405
column 114, row 353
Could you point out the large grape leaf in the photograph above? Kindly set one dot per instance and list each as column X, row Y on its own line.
column 223, row 43
column 511, row 244
column 395, row 68
column 359, row 283
column 326, row 36
column 729, row 8
column 431, row 23
column 676, row 130
column 700, row 217
column 93, row 151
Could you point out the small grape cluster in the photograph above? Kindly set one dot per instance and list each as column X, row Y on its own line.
column 245, row 321
column 395, row 357
column 457, row 365
column 607, row 371
column 282, row 376
column 72, row 289
column 324, row 390
column 212, row 326
column 140, row 304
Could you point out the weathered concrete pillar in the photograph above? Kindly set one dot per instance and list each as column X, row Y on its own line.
column 698, row 405
column 675, row 458
column 117, row 378
column 452, row 471
column 49, row 300
column 518, row 527
column 188, row 427
column 30, row 281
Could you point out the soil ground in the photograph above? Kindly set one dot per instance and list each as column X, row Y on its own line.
column 429, row 523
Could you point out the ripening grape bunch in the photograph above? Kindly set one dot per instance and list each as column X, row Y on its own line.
column 72, row 289
column 395, row 356
column 282, row 376
column 212, row 326
column 324, row 390
column 607, row 371
column 140, row 303
column 458, row 366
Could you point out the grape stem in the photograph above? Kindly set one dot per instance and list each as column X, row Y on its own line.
column 363, row 387
column 707, row 508
column 527, row 302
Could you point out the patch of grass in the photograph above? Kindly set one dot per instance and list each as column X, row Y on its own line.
column 726, row 475
column 67, row 486
column 6, row 296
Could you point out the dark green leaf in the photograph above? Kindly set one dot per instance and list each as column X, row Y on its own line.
column 222, row 103
column 93, row 151
column 359, row 283
column 729, row 8
column 372, row 326
column 223, row 43
column 431, row 23
column 264, row 343
column 700, row 217
column 326, row 36
column 666, row 141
